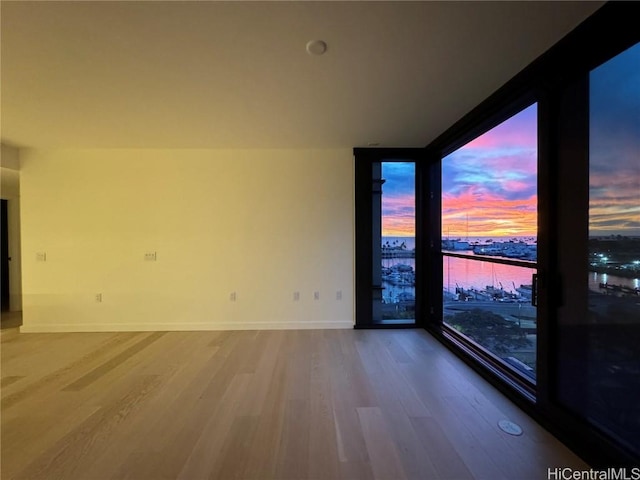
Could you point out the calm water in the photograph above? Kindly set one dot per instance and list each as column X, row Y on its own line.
column 595, row 279
column 472, row 273
column 465, row 273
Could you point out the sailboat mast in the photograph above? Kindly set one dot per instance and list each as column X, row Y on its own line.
column 467, row 227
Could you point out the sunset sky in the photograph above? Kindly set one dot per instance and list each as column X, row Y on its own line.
column 489, row 186
column 398, row 199
column 615, row 146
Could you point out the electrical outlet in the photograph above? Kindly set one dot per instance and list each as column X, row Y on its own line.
column 339, row 295
column 99, row 297
column 41, row 257
column 150, row 256
column 316, row 295
column 233, row 297
column 296, row 296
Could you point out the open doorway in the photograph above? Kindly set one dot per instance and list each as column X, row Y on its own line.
column 4, row 257
column 9, row 319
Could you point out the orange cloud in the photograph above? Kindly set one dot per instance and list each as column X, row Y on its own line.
column 483, row 214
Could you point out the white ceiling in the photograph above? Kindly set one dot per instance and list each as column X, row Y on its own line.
column 236, row 74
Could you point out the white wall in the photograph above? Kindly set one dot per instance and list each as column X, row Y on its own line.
column 9, row 157
column 260, row 223
column 10, row 191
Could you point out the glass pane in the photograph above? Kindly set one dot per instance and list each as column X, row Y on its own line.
column 489, row 211
column 397, row 244
column 489, row 186
column 613, row 369
column 490, row 303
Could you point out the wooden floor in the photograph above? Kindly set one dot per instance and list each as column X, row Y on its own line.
column 357, row 404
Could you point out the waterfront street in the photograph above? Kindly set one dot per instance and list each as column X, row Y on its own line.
column 522, row 313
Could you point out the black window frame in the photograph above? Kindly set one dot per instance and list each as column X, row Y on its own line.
column 525, row 386
column 558, row 82
column 364, row 158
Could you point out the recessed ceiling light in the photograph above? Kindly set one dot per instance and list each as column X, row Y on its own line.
column 316, row 47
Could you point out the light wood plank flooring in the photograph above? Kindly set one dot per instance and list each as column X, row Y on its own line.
column 257, row 405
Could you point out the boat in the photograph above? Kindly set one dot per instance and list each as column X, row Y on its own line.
column 526, row 291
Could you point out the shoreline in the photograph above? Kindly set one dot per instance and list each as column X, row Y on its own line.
column 616, row 272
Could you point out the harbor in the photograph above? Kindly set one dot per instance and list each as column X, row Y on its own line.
column 519, row 248
column 474, row 283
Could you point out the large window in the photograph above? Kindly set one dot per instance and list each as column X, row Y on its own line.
column 597, row 332
column 386, row 243
column 489, row 241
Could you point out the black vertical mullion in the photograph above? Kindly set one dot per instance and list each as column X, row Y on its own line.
column 419, row 258
column 547, row 244
column 424, row 239
column 363, row 233
column 572, row 229
column 435, row 241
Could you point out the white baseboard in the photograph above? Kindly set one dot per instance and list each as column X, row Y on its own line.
column 184, row 327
